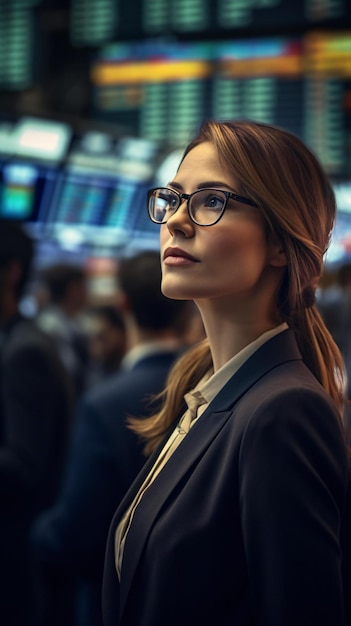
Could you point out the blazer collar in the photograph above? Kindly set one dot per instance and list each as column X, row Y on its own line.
column 279, row 349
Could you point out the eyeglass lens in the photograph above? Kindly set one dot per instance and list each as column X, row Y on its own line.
column 205, row 205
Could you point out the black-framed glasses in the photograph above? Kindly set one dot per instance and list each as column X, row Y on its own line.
column 205, row 206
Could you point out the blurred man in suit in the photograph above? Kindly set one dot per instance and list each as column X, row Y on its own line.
column 35, row 405
column 106, row 342
column 106, row 456
column 60, row 317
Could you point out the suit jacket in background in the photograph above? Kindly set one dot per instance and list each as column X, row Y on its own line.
column 35, row 414
column 242, row 524
column 105, row 458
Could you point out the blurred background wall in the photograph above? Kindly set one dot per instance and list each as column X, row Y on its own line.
column 99, row 97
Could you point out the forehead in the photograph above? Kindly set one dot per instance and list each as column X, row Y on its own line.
column 202, row 164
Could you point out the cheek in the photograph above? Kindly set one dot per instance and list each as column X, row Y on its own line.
column 237, row 240
column 243, row 249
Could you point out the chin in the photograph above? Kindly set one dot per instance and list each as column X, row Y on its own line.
column 176, row 295
column 176, row 292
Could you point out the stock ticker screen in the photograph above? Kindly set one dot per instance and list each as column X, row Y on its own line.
column 163, row 90
column 95, row 22
column 85, row 199
column 122, row 20
column 100, row 197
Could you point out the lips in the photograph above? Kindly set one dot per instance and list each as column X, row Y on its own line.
column 178, row 253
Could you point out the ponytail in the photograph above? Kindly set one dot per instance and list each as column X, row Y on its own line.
column 320, row 352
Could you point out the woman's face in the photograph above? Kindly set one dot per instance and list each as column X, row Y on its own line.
column 232, row 259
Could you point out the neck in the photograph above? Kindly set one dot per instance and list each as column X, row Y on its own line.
column 228, row 333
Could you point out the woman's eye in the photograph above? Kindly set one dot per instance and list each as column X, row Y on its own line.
column 172, row 201
column 214, row 202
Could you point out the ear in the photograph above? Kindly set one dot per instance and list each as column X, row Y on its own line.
column 277, row 256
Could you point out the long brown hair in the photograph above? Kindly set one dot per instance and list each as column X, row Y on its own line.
column 276, row 170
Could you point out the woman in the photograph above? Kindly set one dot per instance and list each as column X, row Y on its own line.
column 235, row 519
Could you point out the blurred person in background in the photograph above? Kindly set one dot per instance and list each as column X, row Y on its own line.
column 67, row 298
column 106, row 342
column 35, row 410
column 69, row 541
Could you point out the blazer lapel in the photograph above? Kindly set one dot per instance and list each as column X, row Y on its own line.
column 147, row 511
column 279, row 349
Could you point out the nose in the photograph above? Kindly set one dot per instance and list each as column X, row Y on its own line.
column 180, row 220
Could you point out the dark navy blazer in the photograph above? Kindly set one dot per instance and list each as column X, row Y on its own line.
column 242, row 525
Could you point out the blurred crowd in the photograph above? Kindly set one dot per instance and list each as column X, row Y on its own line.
column 71, row 373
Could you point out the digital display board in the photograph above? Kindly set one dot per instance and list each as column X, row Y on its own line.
column 93, row 22
column 90, row 202
column 100, row 197
column 102, row 21
column 26, row 190
column 32, row 151
column 260, row 79
column 157, row 90
column 163, row 91
column 16, row 43
column 328, row 99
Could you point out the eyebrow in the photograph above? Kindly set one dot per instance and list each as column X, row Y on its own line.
column 209, row 184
